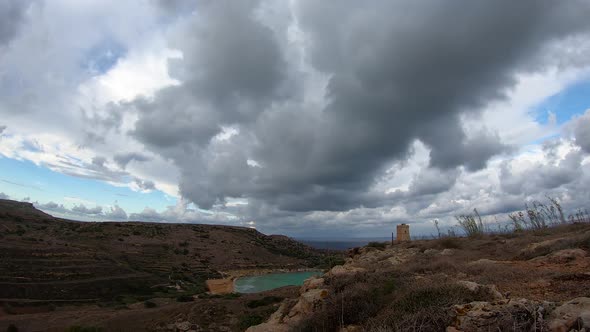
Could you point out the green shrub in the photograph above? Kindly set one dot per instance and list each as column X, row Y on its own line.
column 231, row 296
column 149, row 304
column 77, row 328
column 264, row 301
column 378, row 245
column 329, row 262
column 250, row 320
column 185, row 298
column 450, row 243
column 471, row 224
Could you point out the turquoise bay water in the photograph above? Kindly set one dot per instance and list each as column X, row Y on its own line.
column 255, row 284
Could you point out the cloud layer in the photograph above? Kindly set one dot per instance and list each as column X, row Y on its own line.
column 301, row 115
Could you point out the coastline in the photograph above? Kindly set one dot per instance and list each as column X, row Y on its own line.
column 228, row 284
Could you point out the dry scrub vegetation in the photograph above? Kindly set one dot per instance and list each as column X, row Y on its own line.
column 541, row 256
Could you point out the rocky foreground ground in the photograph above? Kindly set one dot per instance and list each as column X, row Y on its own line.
column 530, row 281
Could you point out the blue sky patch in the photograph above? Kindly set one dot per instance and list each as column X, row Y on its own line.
column 20, row 179
column 573, row 100
column 103, row 56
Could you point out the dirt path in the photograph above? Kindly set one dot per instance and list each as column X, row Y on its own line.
column 220, row 286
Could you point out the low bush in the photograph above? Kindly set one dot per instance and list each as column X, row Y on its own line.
column 185, row 298
column 581, row 241
column 471, row 224
column 149, row 304
column 378, row 245
column 264, row 301
column 423, row 307
column 231, row 296
column 250, row 320
column 329, row 262
column 432, row 266
column 449, row 243
column 78, row 328
column 390, row 300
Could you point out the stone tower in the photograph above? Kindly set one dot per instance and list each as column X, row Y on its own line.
column 403, row 233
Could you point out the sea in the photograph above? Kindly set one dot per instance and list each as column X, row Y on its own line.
column 340, row 244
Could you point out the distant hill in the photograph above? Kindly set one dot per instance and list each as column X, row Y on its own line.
column 47, row 258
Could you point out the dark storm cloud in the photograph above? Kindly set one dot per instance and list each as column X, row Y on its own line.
column 176, row 6
column 433, row 181
column 231, row 70
column 11, row 14
column 398, row 72
column 144, row 184
column 122, row 159
column 582, row 131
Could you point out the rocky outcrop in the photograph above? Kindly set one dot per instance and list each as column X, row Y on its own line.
column 492, row 290
column 392, row 255
column 313, row 293
column 572, row 315
column 312, row 283
column 448, row 252
column 502, row 315
column 561, row 256
column 339, row 270
column 483, row 261
column 522, row 314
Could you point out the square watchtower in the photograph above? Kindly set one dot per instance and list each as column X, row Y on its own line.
column 403, row 233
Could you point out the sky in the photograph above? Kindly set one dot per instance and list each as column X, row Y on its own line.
column 301, row 117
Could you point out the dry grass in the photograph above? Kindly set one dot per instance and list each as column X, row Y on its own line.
column 392, row 300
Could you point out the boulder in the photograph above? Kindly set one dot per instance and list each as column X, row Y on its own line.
column 183, row 326
column 345, row 269
column 274, row 323
column 448, row 252
column 475, row 287
column 502, row 315
column 308, row 301
column 312, row 283
column 572, row 315
column 540, row 246
column 561, row 256
column 483, row 261
column 283, row 321
column 269, row 327
column 431, row 252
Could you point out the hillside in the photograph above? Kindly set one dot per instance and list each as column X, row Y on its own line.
column 51, row 261
column 523, row 281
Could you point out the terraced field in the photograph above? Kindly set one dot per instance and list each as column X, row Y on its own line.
column 47, row 260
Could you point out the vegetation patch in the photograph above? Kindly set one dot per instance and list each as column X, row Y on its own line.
column 264, row 301
column 250, row 320
column 378, row 245
column 77, row 328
